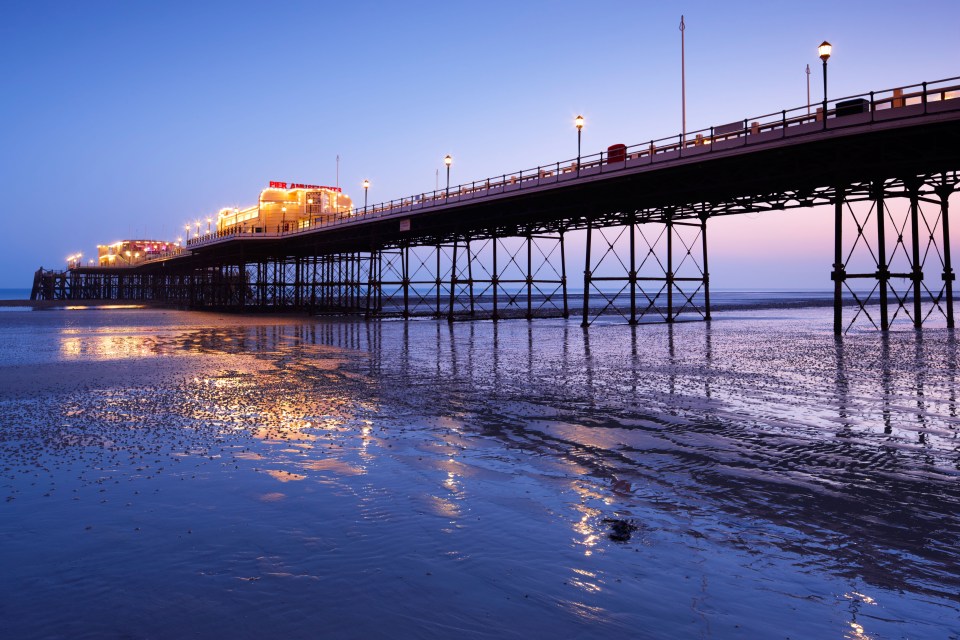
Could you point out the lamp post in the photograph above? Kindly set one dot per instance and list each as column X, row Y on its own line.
column 283, row 228
column 825, row 49
column 186, row 228
column 578, row 123
column 366, row 186
column 198, row 228
column 179, row 241
column 448, row 161
column 209, row 220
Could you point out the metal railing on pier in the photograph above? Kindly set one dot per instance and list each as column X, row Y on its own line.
column 849, row 111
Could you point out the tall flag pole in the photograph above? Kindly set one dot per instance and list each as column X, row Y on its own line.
column 683, row 79
column 808, row 89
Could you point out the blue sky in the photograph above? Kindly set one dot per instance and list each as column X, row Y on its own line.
column 128, row 119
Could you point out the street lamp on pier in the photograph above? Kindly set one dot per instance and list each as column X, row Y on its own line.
column 448, row 161
column 209, row 220
column 283, row 210
column 825, row 49
column 366, row 186
column 578, row 123
column 186, row 228
column 198, row 228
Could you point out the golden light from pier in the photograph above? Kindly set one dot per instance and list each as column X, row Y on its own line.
column 824, row 50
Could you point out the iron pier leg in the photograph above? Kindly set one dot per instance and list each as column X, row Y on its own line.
column 917, row 273
column 371, row 272
column 495, row 279
column 948, row 276
column 670, row 317
column 586, row 279
column 470, row 277
column 563, row 277
column 529, row 276
column 313, row 285
column 406, row 281
column 839, row 273
column 439, row 281
column 706, row 270
column 453, row 282
column 883, row 273
column 633, row 270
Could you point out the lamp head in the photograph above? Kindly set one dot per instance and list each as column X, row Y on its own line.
column 448, row 160
column 825, row 49
column 578, row 123
column 366, row 183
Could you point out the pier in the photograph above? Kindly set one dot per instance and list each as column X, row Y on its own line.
column 495, row 248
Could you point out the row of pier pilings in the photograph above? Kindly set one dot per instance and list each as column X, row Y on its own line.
column 892, row 252
column 892, row 265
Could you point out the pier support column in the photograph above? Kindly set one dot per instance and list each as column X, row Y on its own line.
column 706, row 270
column 670, row 274
column 529, row 276
column 438, row 312
column 563, row 276
column 470, row 278
column 839, row 272
column 943, row 191
column 633, row 270
column 405, row 260
column 883, row 270
column 916, row 274
column 453, row 280
column 495, row 278
column 586, row 278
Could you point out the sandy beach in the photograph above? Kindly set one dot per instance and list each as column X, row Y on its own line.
column 172, row 474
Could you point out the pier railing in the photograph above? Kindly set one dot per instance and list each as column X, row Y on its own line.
column 839, row 113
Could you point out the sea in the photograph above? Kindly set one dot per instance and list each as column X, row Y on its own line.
column 177, row 474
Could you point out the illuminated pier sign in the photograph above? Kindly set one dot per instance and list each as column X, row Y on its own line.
column 299, row 185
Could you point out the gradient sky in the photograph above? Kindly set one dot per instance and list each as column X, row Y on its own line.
column 127, row 119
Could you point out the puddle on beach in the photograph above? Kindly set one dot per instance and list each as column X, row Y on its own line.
column 171, row 474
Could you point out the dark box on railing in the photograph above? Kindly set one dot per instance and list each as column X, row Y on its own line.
column 853, row 107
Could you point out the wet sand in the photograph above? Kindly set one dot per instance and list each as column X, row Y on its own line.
column 169, row 474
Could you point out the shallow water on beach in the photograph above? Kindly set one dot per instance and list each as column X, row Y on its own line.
column 171, row 474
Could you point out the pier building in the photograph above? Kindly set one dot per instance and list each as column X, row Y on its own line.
column 127, row 253
column 284, row 207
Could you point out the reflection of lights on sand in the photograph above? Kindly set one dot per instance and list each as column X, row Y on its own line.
column 584, row 526
column 862, row 597
column 857, row 631
column 284, row 476
column 339, row 467
column 582, row 581
column 277, row 435
column 80, row 307
column 451, row 482
column 114, row 347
